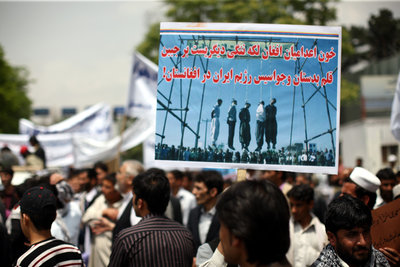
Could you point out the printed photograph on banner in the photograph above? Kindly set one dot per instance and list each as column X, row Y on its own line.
column 249, row 96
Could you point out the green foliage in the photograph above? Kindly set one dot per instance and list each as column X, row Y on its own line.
column 350, row 92
column 383, row 34
column 133, row 153
column 14, row 102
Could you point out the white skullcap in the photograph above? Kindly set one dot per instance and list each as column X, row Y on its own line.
column 396, row 191
column 365, row 179
column 392, row 158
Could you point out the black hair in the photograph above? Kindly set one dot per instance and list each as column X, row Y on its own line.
column 347, row 212
column 212, row 179
column 386, row 174
column 44, row 219
column 256, row 211
column 361, row 192
column 92, row 174
column 33, row 140
column 152, row 186
column 101, row 165
column 301, row 192
column 8, row 171
column 111, row 178
column 177, row 174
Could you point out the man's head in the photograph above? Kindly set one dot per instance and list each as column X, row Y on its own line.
column 254, row 218
column 207, row 186
column 219, row 101
column 388, row 181
column 234, row 102
column 38, row 209
column 362, row 184
column 273, row 101
column 101, row 170
column 276, row 177
column 151, row 192
column 6, row 175
column 262, row 102
column 127, row 172
column 247, row 104
column 175, row 178
column 301, row 199
column 348, row 222
column 33, row 141
column 109, row 190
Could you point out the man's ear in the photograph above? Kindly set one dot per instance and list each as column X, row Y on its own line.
column 332, row 238
column 365, row 199
column 25, row 218
column 140, row 203
column 213, row 192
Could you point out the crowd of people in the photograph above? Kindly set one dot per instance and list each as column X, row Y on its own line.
column 270, row 156
column 155, row 217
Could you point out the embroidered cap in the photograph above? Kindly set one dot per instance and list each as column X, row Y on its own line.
column 365, row 179
column 36, row 199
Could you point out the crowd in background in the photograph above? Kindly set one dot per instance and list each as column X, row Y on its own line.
column 97, row 207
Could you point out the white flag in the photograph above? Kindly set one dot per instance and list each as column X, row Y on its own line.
column 143, row 87
column 395, row 117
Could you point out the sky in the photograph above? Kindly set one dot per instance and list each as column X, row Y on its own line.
column 80, row 53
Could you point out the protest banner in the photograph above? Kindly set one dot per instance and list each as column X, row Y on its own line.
column 385, row 230
column 95, row 121
column 284, row 79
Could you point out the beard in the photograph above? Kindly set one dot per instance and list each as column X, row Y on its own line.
column 359, row 255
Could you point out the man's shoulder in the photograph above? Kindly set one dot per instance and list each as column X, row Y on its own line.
column 55, row 250
column 155, row 223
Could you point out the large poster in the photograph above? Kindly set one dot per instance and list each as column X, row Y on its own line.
column 254, row 96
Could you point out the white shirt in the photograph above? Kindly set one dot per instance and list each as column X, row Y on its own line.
column 204, row 223
column 125, row 201
column 217, row 260
column 306, row 244
column 188, row 202
column 260, row 113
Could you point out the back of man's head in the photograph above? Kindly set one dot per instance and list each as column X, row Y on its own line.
column 40, row 204
column 257, row 213
column 347, row 212
column 301, row 192
column 152, row 186
column 212, row 179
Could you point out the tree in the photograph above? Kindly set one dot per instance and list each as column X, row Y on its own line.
column 14, row 102
column 383, row 34
column 315, row 12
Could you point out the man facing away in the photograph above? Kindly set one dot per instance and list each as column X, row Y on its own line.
column 38, row 211
column 215, row 122
column 231, row 120
column 348, row 223
column 254, row 218
column 156, row 240
column 307, row 233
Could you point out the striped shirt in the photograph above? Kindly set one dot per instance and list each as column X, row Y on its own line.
column 51, row 252
column 154, row 241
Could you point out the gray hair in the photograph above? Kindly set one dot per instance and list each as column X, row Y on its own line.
column 133, row 167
